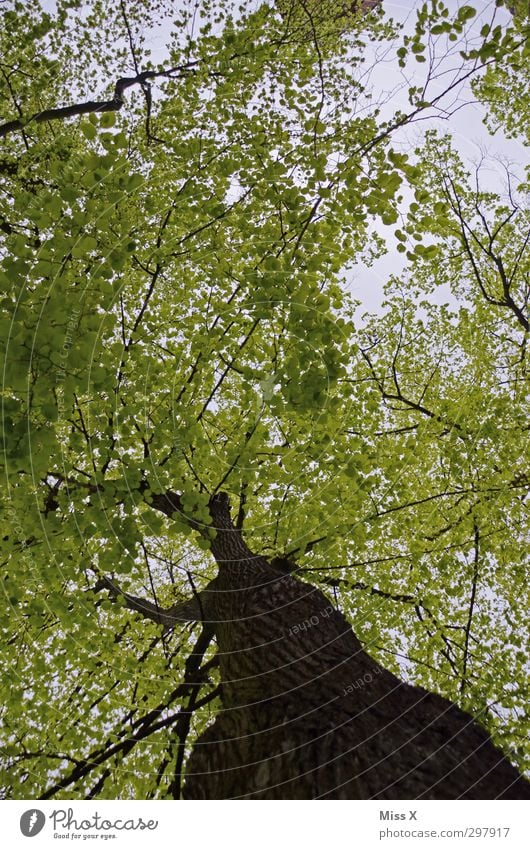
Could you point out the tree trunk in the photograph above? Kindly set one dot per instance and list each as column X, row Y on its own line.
column 308, row 714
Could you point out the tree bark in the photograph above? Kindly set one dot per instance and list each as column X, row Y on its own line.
column 308, row 714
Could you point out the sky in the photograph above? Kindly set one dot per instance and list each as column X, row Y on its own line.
column 470, row 138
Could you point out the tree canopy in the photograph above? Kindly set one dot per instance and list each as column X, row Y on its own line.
column 178, row 230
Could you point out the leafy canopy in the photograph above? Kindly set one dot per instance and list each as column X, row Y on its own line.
column 175, row 316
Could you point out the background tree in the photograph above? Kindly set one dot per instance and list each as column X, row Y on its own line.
column 176, row 318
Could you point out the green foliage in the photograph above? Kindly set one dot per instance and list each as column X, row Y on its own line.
column 175, row 316
column 503, row 88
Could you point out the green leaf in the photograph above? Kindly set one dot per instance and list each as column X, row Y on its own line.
column 88, row 129
column 108, row 119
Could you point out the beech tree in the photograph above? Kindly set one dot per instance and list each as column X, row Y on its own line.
column 178, row 335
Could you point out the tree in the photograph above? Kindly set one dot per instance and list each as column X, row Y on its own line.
column 177, row 334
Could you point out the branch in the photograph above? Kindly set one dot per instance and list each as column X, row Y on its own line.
column 360, row 585
column 184, row 611
column 398, row 395
column 148, row 725
column 113, row 105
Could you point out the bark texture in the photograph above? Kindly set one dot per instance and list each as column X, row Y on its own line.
column 308, row 714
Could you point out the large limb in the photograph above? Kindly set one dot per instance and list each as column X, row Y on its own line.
column 190, row 610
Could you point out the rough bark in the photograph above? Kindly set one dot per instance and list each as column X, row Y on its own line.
column 308, row 714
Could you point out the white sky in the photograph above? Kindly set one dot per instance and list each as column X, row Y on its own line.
column 470, row 138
